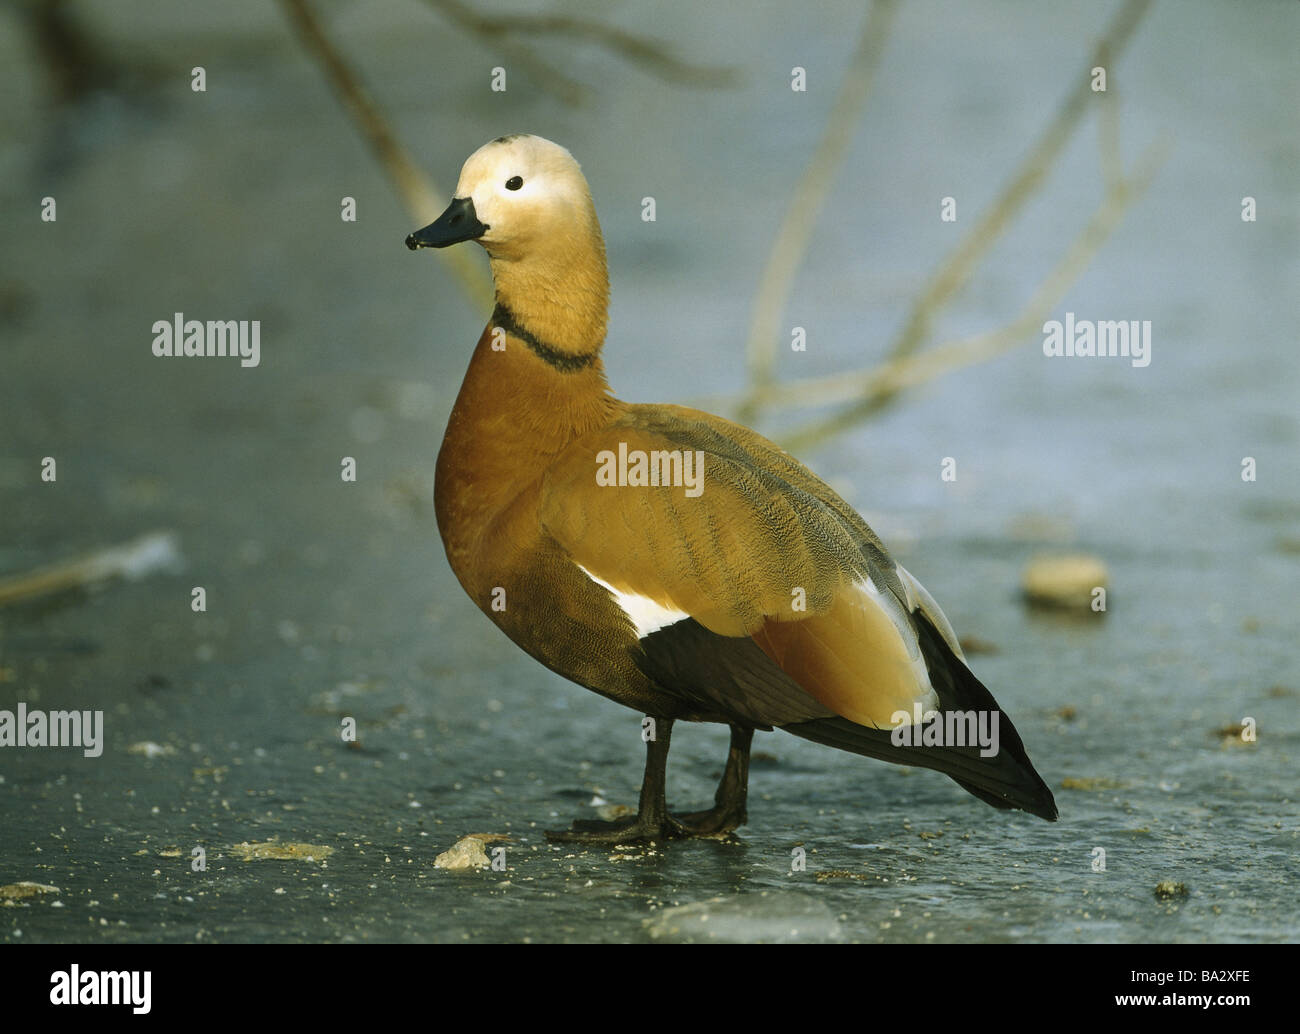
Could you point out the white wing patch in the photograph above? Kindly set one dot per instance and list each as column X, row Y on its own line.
column 646, row 614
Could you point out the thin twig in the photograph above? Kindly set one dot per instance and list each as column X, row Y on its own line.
column 422, row 200
column 956, row 271
column 77, row 62
column 791, row 243
column 960, row 265
column 649, row 54
column 139, row 558
column 494, row 31
column 898, row 375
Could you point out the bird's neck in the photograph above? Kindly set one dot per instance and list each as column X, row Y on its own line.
column 534, row 384
column 536, row 380
column 558, row 300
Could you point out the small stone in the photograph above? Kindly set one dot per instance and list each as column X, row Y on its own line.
column 1064, row 581
column 466, row 853
column 25, row 889
column 276, row 850
column 1233, row 735
column 762, row 918
column 1167, row 889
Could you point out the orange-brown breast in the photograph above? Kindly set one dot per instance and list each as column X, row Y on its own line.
column 512, row 417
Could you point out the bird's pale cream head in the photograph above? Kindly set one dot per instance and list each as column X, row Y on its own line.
column 516, row 195
column 526, row 201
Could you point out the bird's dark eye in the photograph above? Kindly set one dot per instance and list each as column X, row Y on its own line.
column 514, row 182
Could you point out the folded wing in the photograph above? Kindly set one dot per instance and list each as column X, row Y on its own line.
column 766, row 599
column 764, row 550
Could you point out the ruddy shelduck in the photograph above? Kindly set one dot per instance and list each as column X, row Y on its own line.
column 668, row 559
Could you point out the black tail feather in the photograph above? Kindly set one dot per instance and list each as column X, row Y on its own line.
column 1005, row 780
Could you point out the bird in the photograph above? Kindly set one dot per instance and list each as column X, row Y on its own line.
column 668, row 559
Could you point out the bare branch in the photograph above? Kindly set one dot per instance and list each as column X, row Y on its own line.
column 649, row 54
column 791, row 243
column 74, row 59
column 494, row 31
column 149, row 554
column 953, row 275
column 422, row 200
column 887, row 380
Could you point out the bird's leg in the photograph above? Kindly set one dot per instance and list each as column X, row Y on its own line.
column 652, row 821
column 728, row 810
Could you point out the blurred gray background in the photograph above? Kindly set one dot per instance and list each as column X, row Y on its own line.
column 328, row 599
